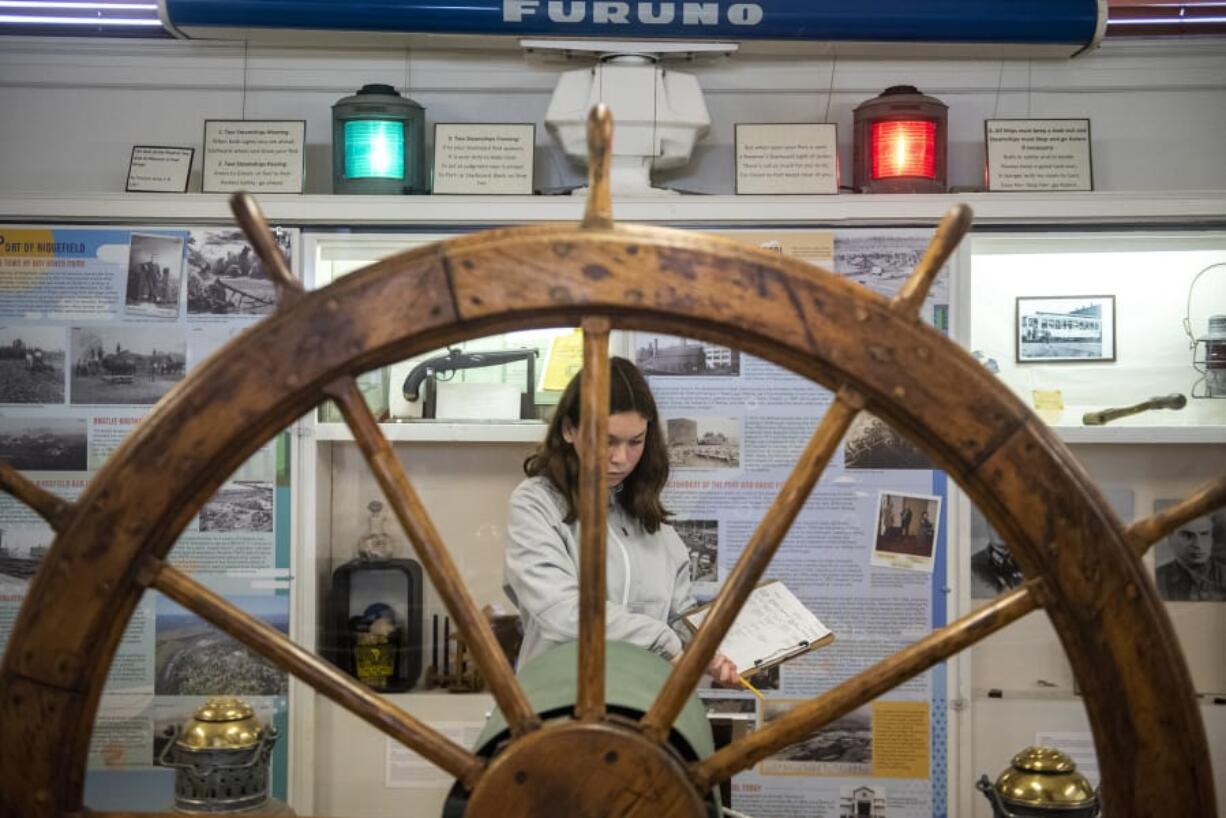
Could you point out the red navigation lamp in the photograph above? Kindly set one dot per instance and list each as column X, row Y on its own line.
column 900, row 142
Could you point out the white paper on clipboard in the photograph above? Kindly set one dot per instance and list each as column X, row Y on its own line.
column 772, row 626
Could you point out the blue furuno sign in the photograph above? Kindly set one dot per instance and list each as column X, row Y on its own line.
column 1074, row 22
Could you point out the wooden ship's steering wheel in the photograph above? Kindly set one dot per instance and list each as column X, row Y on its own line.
column 1082, row 566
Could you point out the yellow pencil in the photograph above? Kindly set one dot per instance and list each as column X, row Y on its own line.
column 751, row 688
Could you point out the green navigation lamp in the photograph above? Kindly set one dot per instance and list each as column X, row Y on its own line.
column 378, row 143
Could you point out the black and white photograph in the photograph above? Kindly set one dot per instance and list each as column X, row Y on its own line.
column 226, row 277
column 44, row 444
column 883, row 261
column 670, row 355
column 862, row 802
column 871, row 443
column 125, row 364
column 155, row 276
column 842, row 747
column 192, row 658
column 239, row 505
column 704, row 443
column 993, row 570
column 906, row 534
column 21, row 552
column 1065, row 328
column 1190, row 562
column 32, row 364
column 701, row 538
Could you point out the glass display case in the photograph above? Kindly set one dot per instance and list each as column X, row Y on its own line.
column 1137, row 287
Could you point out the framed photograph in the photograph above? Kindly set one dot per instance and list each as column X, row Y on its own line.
column 483, row 158
column 787, row 158
column 1065, row 328
column 1038, row 155
column 259, row 156
column 156, row 169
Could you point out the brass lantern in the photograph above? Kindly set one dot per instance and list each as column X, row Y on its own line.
column 1041, row 782
column 220, row 757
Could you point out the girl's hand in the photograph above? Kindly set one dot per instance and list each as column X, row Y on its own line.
column 723, row 671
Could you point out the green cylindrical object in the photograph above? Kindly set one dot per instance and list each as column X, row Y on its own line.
column 633, row 678
column 378, row 143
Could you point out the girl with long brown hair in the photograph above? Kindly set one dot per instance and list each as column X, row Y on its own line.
column 648, row 565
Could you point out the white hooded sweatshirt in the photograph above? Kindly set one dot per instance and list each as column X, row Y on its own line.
column 648, row 575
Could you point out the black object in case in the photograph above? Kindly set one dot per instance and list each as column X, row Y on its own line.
column 356, row 586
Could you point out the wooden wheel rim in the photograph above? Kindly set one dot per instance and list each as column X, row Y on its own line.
column 1139, row 698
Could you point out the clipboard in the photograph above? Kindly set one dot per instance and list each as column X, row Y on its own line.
column 772, row 627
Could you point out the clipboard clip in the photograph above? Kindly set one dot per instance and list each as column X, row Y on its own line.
column 783, row 653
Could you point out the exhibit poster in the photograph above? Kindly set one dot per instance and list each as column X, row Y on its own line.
column 867, row 554
column 96, row 325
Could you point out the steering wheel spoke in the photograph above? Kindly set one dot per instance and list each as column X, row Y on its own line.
column 593, row 447
column 355, row 697
column 752, row 563
column 867, row 685
column 435, row 558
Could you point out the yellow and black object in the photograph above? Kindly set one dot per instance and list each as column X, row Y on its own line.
column 1040, row 782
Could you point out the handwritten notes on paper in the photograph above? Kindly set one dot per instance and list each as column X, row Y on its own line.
column 1038, row 154
column 772, row 625
column 797, row 158
column 257, row 156
column 483, row 159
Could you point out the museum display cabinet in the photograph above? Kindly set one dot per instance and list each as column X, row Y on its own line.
column 1113, row 276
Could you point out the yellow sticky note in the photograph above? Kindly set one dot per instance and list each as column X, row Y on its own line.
column 564, row 360
column 1048, row 399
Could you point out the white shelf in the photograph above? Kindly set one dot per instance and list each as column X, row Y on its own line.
column 1141, row 434
column 529, row 432
column 1201, row 421
column 1186, row 209
column 442, row 432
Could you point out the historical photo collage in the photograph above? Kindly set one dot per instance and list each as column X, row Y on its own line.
column 871, row 536
column 110, row 320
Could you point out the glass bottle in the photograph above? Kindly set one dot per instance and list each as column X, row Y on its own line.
column 375, row 544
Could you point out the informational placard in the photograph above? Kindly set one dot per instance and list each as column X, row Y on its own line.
column 483, row 159
column 406, row 769
column 1038, row 154
column 265, row 156
column 787, row 158
column 156, row 169
column 866, row 555
column 97, row 324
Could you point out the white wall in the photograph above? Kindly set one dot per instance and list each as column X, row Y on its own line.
column 73, row 108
